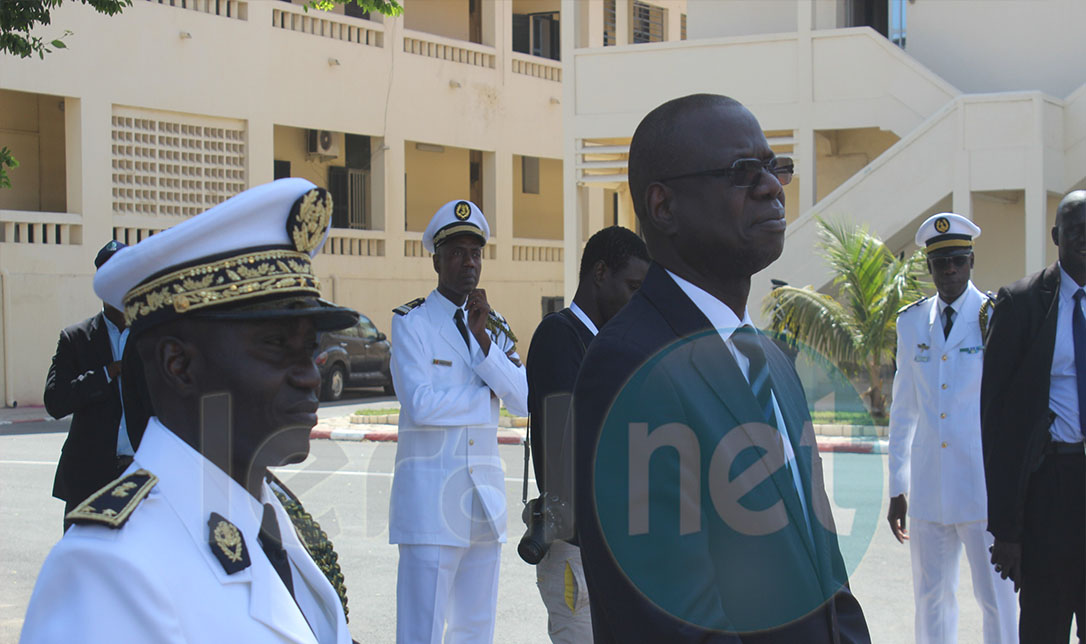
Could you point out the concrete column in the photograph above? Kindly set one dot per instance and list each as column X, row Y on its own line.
column 1036, row 197
column 622, row 22
column 589, row 28
column 490, row 192
column 962, row 195
column 674, row 25
column 502, row 190
column 598, row 211
column 576, row 17
column 73, row 154
column 805, row 137
column 94, row 152
column 261, row 151
column 391, row 158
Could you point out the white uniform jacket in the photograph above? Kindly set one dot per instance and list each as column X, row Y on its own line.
column 935, row 448
column 156, row 579
column 447, row 449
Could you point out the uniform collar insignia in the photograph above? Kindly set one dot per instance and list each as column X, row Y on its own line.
column 226, row 544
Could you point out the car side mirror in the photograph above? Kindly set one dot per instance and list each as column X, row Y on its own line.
column 381, row 336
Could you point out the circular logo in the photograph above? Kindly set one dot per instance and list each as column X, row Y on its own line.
column 942, row 224
column 695, row 486
column 462, row 210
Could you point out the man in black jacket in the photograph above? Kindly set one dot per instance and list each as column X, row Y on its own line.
column 613, row 265
column 84, row 381
column 1033, row 404
column 701, row 509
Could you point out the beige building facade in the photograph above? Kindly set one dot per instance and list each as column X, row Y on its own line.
column 893, row 110
column 167, row 109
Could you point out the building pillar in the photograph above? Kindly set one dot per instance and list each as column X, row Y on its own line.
column 573, row 13
column 93, row 157
column 501, row 194
column 1036, row 196
column 260, row 151
column 388, row 166
column 805, row 149
column 622, row 22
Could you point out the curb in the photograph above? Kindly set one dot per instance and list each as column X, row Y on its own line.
column 825, row 443
column 43, row 419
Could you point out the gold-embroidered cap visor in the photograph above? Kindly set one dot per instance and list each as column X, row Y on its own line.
column 260, row 284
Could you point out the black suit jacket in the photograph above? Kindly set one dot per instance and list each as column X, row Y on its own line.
column 707, row 563
column 1014, row 412
column 554, row 358
column 77, row 385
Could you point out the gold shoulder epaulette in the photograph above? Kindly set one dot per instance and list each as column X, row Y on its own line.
column 404, row 309
column 910, row 305
column 313, row 538
column 495, row 323
column 985, row 313
column 112, row 505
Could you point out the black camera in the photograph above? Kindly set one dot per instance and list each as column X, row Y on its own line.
column 533, row 545
column 548, row 518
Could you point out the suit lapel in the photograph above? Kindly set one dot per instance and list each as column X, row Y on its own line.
column 449, row 333
column 99, row 333
column 713, row 361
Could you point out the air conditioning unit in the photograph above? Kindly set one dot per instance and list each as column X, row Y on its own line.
column 321, row 143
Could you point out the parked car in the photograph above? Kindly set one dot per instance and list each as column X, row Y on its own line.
column 354, row 357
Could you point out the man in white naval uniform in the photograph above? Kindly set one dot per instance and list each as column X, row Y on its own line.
column 936, row 464
column 453, row 359
column 192, row 544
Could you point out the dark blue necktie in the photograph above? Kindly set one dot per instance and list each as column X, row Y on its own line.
column 1078, row 331
column 746, row 340
column 461, row 327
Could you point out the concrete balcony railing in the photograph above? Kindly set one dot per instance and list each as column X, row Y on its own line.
column 22, row 227
column 329, row 25
column 537, row 250
column 226, row 8
column 412, row 247
column 537, row 67
column 355, row 243
column 441, row 48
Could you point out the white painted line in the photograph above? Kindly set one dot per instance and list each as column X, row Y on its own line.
column 53, row 463
column 508, row 479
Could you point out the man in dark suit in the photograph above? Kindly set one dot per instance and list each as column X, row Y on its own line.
column 1033, row 404
column 84, row 381
column 613, row 266
column 725, row 534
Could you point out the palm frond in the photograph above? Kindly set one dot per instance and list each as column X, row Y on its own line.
column 814, row 319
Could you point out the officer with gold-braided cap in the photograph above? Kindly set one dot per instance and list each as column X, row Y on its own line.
column 195, row 542
column 453, row 360
column 936, row 470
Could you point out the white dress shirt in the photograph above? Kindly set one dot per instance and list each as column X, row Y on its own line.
column 117, row 340
column 583, row 317
column 725, row 321
column 1063, row 390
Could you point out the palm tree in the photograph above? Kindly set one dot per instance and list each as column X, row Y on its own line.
column 857, row 332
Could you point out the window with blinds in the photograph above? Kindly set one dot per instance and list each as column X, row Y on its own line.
column 609, row 15
column 647, row 22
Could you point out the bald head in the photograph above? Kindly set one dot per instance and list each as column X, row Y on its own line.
column 1069, row 234
column 661, row 144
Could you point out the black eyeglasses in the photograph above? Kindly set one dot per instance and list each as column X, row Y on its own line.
column 943, row 263
column 747, row 173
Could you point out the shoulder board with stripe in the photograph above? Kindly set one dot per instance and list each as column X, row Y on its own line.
column 112, row 505
column 910, row 305
column 985, row 313
column 404, row 309
column 495, row 323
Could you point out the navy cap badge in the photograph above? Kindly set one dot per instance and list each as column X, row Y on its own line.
column 309, row 218
column 462, row 210
column 942, row 224
column 226, row 544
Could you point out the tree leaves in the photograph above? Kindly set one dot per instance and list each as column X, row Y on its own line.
column 857, row 330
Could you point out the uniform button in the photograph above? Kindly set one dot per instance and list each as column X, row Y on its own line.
column 944, row 443
column 944, row 357
column 944, row 385
column 471, row 441
column 943, row 416
column 471, row 470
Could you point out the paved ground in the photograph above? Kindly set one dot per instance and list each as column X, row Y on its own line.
column 346, row 485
